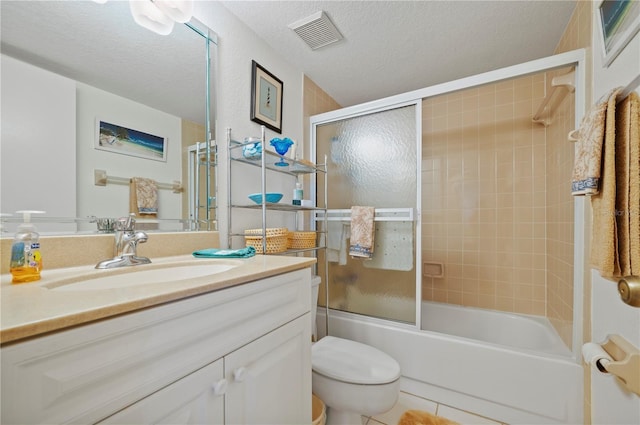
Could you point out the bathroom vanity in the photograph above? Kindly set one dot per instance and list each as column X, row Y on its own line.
column 230, row 348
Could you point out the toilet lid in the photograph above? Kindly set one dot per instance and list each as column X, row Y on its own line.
column 353, row 362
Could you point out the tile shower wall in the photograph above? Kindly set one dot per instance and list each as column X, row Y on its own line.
column 316, row 101
column 484, row 167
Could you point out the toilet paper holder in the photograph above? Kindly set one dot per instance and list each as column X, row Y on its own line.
column 624, row 363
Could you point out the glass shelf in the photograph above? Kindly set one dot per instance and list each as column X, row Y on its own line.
column 293, row 167
column 278, row 207
column 268, row 160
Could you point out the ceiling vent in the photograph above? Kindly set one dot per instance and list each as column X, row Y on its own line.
column 317, row 30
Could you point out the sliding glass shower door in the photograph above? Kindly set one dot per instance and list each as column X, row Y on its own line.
column 372, row 161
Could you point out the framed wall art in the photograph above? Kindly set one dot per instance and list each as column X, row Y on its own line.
column 119, row 139
column 266, row 98
column 618, row 22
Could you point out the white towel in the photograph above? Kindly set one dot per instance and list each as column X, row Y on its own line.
column 337, row 235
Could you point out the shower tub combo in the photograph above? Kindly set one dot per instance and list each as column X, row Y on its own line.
column 509, row 367
column 461, row 358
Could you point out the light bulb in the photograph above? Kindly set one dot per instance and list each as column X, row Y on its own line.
column 148, row 15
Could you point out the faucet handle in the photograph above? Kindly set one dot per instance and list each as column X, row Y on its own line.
column 126, row 224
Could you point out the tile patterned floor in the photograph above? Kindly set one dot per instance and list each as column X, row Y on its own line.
column 408, row 401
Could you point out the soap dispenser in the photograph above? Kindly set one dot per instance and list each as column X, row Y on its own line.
column 26, row 260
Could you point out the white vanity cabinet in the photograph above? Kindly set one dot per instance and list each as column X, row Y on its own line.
column 195, row 399
column 240, row 355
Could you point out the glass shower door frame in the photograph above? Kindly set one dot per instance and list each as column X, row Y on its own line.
column 575, row 58
column 368, row 109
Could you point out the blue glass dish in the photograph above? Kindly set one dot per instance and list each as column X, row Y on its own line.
column 271, row 197
column 281, row 146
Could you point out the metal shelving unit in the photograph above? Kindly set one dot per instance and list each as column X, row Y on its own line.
column 266, row 162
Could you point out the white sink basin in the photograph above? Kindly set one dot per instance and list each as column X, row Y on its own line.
column 133, row 276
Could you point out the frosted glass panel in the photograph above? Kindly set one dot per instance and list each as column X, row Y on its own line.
column 372, row 161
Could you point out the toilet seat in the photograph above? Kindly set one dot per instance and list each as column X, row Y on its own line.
column 353, row 362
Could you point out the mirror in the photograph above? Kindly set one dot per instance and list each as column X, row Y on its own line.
column 113, row 71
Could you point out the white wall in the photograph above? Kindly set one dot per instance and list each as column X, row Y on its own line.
column 112, row 200
column 38, row 137
column 238, row 46
column 611, row 403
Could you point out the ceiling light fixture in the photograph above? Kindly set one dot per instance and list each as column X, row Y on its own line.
column 159, row 16
column 178, row 10
column 317, row 30
column 148, row 15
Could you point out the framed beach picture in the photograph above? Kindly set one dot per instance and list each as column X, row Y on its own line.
column 127, row 141
column 618, row 22
column 266, row 98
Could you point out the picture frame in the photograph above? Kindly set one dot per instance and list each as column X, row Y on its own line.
column 123, row 140
column 266, row 98
column 618, row 22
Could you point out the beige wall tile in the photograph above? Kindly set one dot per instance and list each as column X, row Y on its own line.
column 505, row 208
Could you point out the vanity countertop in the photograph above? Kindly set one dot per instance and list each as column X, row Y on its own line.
column 32, row 309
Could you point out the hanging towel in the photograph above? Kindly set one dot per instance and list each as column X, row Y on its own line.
column 337, row 236
column 604, row 232
column 362, row 232
column 634, row 185
column 143, row 197
column 589, row 139
column 628, row 185
column 246, row 252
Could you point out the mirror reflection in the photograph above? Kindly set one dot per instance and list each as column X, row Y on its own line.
column 69, row 66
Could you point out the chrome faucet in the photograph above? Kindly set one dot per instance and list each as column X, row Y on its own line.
column 127, row 240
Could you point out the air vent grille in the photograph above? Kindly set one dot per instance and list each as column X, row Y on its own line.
column 317, row 30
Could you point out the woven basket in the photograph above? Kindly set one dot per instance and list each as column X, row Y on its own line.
column 301, row 240
column 276, row 239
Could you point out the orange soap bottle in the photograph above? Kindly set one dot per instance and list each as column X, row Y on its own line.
column 26, row 259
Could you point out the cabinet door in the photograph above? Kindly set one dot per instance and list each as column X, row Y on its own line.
column 197, row 398
column 270, row 378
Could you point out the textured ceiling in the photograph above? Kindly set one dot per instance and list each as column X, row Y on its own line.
column 392, row 47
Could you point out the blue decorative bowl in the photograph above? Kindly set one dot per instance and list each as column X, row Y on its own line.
column 270, row 197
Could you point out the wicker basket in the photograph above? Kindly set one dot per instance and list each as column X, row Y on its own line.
column 276, row 239
column 301, row 240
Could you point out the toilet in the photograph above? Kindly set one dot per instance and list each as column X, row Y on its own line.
column 351, row 378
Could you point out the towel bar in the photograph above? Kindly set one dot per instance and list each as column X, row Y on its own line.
column 567, row 81
column 381, row 214
column 632, row 86
column 101, row 178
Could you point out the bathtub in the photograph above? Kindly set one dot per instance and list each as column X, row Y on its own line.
column 511, row 330
column 533, row 380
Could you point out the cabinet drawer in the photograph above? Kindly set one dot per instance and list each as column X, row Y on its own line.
column 87, row 373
